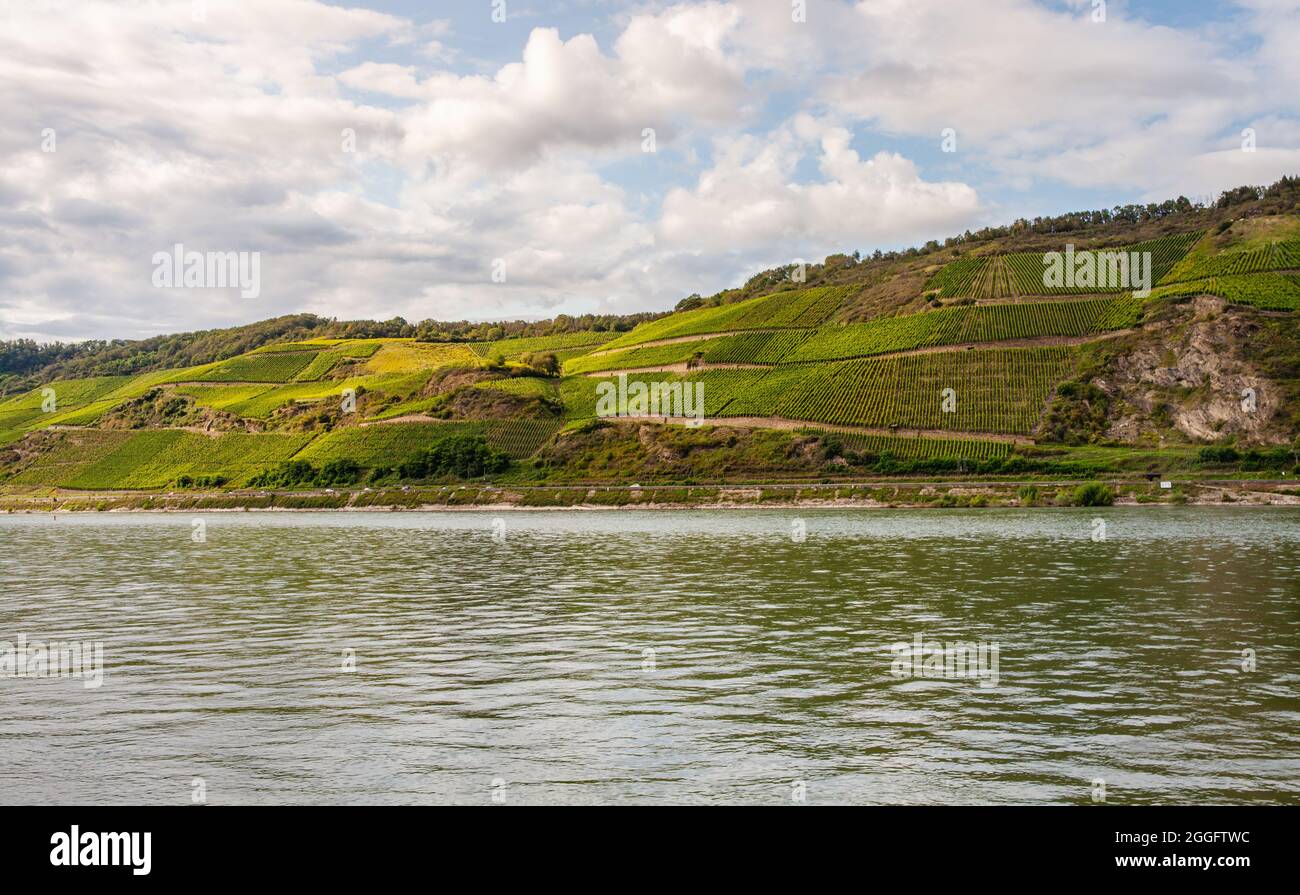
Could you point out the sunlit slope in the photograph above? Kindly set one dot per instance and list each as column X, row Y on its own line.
column 964, row 378
column 1021, row 273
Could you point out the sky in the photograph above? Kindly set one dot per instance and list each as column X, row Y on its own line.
column 507, row 159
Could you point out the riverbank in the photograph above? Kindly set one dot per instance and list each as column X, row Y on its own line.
column 865, row 495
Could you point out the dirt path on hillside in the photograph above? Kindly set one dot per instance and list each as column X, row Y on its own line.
column 683, row 367
column 408, row 418
column 678, row 340
column 193, row 383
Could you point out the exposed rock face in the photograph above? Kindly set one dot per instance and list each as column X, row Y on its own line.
column 1190, row 369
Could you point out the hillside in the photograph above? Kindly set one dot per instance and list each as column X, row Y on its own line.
column 963, row 359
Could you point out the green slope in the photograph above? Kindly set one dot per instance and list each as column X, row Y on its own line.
column 779, row 358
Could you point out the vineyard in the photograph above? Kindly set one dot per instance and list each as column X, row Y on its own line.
column 806, row 309
column 1201, row 266
column 992, row 390
column 920, row 448
column 387, row 444
column 765, row 389
column 722, row 387
column 955, row 326
column 926, row 384
column 636, row 358
column 156, row 458
column 73, row 400
column 320, row 366
column 406, row 356
column 221, row 397
column 513, row 348
column 360, row 349
column 963, row 278
column 1268, row 291
column 263, row 404
column 73, row 452
column 524, row 386
column 754, row 348
column 256, row 368
column 521, row 438
column 1023, row 273
column 761, row 348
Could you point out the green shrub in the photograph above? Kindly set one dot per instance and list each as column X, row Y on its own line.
column 1093, row 494
column 1218, row 455
column 464, row 456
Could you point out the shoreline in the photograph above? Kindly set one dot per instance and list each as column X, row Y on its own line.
column 500, row 499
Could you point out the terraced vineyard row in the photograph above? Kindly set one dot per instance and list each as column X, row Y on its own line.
column 252, row 368
column 1168, row 251
column 955, row 326
column 74, row 452
column 947, row 326
column 764, row 390
column 723, row 387
column 69, row 401
column 222, row 397
column 635, row 358
column 1028, row 270
column 405, row 357
column 579, row 393
column 521, row 438
column 389, row 444
column 994, row 390
column 742, row 348
column 156, row 458
column 1022, row 273
column 524, row 386
column 1269, row 291
column 321, row 365
column 805, row 309
column 921, row 448
column 262, row 404
column 754, row 348
column 512, row 348
column 960, row 279
column 1275, row 256
column 361, row 349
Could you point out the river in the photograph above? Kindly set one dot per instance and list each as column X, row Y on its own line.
column 1125, row 655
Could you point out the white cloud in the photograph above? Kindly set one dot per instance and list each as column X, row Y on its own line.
column 752, row 198
column 1002, row 70
column 1048, row 94
column 668, row 70
column 227, row 135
